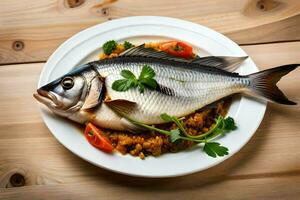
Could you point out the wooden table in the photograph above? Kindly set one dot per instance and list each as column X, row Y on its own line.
column 33, row 165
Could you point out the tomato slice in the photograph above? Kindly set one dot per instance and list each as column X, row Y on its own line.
column 178, row 49
column 97, row 139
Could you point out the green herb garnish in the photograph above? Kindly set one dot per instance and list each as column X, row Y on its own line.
column 146, row 79
column 127, row 45
column 213, row 149
column 175, row 135
column 109, row 46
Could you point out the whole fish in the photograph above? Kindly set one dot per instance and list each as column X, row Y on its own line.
column 184, row 86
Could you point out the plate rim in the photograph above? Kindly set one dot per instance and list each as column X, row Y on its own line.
column 159, row 20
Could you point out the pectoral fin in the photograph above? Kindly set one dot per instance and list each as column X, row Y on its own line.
column 121, row 106
column 95, row 94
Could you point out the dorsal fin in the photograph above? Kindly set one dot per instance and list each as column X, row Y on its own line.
column 150, row 53
column 226, row 63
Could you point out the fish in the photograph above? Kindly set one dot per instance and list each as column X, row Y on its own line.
column 183, row 86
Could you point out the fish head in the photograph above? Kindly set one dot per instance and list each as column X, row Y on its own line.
column 80, row 89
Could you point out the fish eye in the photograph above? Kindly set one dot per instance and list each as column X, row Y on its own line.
column 67, row 83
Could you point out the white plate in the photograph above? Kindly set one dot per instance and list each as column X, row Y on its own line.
column 84, row 47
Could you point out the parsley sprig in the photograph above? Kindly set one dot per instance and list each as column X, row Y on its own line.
column 213, row 149
column 146, row 79
column 127, row 45
column 109, row 46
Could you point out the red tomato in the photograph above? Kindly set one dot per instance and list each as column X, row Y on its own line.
column 97, row 139
column 178, row 49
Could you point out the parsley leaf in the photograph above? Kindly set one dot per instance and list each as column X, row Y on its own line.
column 166, row 117
column 122, row 85
column 127, row 74
column 145, row 80
column 127, row 45
column 229, row 124
column 109, row 46
column 214, row 149
column 147, row 72
column 141, row 87
column 175, row 135
column 150, row 83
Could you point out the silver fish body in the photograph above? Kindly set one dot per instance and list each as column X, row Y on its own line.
column 191, row 89
column 86, row 94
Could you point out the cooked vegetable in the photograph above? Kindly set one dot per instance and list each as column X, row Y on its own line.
column 97, row 139
column 213, row 149
column 178, row 49
column 127, row 45
column 130, row 81
column 109, row 46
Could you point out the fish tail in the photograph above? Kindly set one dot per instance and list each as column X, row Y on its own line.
column 263, row 83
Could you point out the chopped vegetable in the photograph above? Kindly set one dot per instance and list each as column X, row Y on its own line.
column 213, row 149
column 127, row 45
column 178, row 49
column 130, row 81
column 109, row 46
column 97, row 139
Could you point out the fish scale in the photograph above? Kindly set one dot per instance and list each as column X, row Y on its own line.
column 192, row 90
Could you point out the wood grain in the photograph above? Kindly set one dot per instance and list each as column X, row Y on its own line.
column 110, row 188
column 30, row 34
column 266, row 168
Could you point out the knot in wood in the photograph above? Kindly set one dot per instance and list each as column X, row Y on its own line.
column 18, row 45
column 17, row 180
column 266, row 5
column 74, row 3
column 104, row 11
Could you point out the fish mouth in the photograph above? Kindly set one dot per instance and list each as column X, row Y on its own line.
column 46, row 98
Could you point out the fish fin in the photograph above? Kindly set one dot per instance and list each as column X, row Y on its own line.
column 226, row 63
column 121, row 106
column 124, row 108
column 165, row 90
column 95, row 94
column 222, row 62
column 129, row 126
column 150, row 53
column 263, row 83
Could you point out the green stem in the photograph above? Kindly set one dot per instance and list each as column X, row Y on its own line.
column 188, row 137
column 192, row 139
column 180, row 126
column 151, row 128
column 207, row 133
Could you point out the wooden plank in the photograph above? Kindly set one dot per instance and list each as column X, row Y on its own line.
column 28, row 35
column 28, row 148
column 121, row 187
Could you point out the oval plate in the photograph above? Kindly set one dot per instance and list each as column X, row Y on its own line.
column 85, row 46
